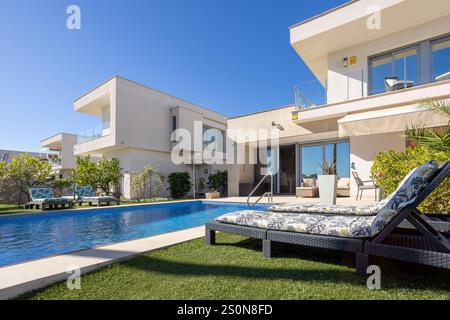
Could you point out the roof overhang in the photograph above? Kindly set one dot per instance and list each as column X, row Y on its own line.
column 94, row 101
column 388, row 120
column 347, row 26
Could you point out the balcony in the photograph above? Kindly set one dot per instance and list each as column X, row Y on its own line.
column 336, row 88
column 93, row 133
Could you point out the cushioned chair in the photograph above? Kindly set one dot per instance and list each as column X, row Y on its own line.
column 86, row 194
column 308, row 189
column 377, row 230
column 44, row 199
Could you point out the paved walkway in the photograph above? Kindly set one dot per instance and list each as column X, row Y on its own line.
column 24, row 277
column 293, row 199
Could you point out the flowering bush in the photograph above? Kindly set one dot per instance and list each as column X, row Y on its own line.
column 390, row 167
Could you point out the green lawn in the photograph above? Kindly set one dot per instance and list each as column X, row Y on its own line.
column 235, row 269
column 13, row 208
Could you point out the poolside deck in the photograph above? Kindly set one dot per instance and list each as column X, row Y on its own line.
column 293, row 199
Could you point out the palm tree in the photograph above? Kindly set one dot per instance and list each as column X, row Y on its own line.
column 433, row 138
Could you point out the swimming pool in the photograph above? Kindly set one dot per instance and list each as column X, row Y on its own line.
column 31, row 236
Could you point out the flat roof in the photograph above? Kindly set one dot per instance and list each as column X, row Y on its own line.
column 324, row 13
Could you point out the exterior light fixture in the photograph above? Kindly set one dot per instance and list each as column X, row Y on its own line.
column 345, row 62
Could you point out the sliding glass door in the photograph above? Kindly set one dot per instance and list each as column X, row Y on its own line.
column 312, row 158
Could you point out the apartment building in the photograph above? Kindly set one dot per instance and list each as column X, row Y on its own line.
column 59, row 150
column 372, row 62
column 136, row 125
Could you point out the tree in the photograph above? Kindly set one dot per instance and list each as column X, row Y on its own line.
column 105, row 174
column 147, row 182
column 25, row 172
column 108, row 174
column 179, row 184
column 86, row 172
column 218, row 181
column 437, row 139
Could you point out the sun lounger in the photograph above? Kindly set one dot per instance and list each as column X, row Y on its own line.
column 87, row 194
column 364, row 234
column 44, row 199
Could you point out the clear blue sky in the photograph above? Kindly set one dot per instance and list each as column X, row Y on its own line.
column 229, row 55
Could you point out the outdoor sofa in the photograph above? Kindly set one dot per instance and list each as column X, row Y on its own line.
column 393, row 228
column 44, row 199
column 86, row 194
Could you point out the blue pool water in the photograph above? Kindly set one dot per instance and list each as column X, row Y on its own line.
column 31, row 236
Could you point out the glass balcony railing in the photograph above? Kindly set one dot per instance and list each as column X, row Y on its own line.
column 336, row 88
column 94, row 133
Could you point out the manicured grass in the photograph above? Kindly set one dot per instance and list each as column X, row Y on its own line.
column 12, row 208
column 235, row 269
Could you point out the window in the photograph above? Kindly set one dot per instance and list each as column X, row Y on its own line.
column 440, row 59
column 312, row 158
column 399, row 65
column 174, row 123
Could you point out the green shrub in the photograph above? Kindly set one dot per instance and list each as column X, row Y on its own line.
column 218, row 181
column 390, row 167
column 179, row 184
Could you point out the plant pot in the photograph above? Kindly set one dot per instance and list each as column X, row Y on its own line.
column 327, row 189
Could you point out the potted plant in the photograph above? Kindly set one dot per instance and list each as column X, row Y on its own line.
column 328, row 183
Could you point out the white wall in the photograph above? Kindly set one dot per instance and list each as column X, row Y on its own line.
column 337, row 74
column 364, row 148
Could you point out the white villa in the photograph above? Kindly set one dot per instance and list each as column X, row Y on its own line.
column 371, row 67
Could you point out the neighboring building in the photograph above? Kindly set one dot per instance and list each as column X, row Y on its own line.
column 8, row 155
column 59, row 150
column 135, row 126
column 368, row 82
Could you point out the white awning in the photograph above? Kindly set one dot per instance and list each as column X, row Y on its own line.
column 388, row 120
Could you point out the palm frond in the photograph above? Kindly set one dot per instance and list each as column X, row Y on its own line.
column 439, row 106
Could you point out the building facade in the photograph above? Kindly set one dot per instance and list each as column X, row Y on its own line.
column 372, row 62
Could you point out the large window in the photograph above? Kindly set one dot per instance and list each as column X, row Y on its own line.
column 440, row 59
column 312, row 158
column 399, row 69
column 394, row 70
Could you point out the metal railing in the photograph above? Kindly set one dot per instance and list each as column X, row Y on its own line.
column 268, row 194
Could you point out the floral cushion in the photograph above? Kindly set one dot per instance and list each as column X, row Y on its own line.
column 405, row 194
column 85, row 191
column 318, row 208
column 41, row 193
column 340, row 226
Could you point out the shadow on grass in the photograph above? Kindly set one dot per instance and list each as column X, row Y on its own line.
column 395, row 275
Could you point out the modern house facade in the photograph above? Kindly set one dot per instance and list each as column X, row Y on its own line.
column 372, row 60
column 136, row 125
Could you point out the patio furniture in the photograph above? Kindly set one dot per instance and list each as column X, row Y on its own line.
column 393, row 83
column 44, row 199
column 212, row 195
column 87, row 195
column 398, row 231
column 343, row 187
column 364, row 185
column 308, row 189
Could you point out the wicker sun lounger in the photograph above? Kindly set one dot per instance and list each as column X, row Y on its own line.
column 87, row 194
column 387, row 234
column 44, row 199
